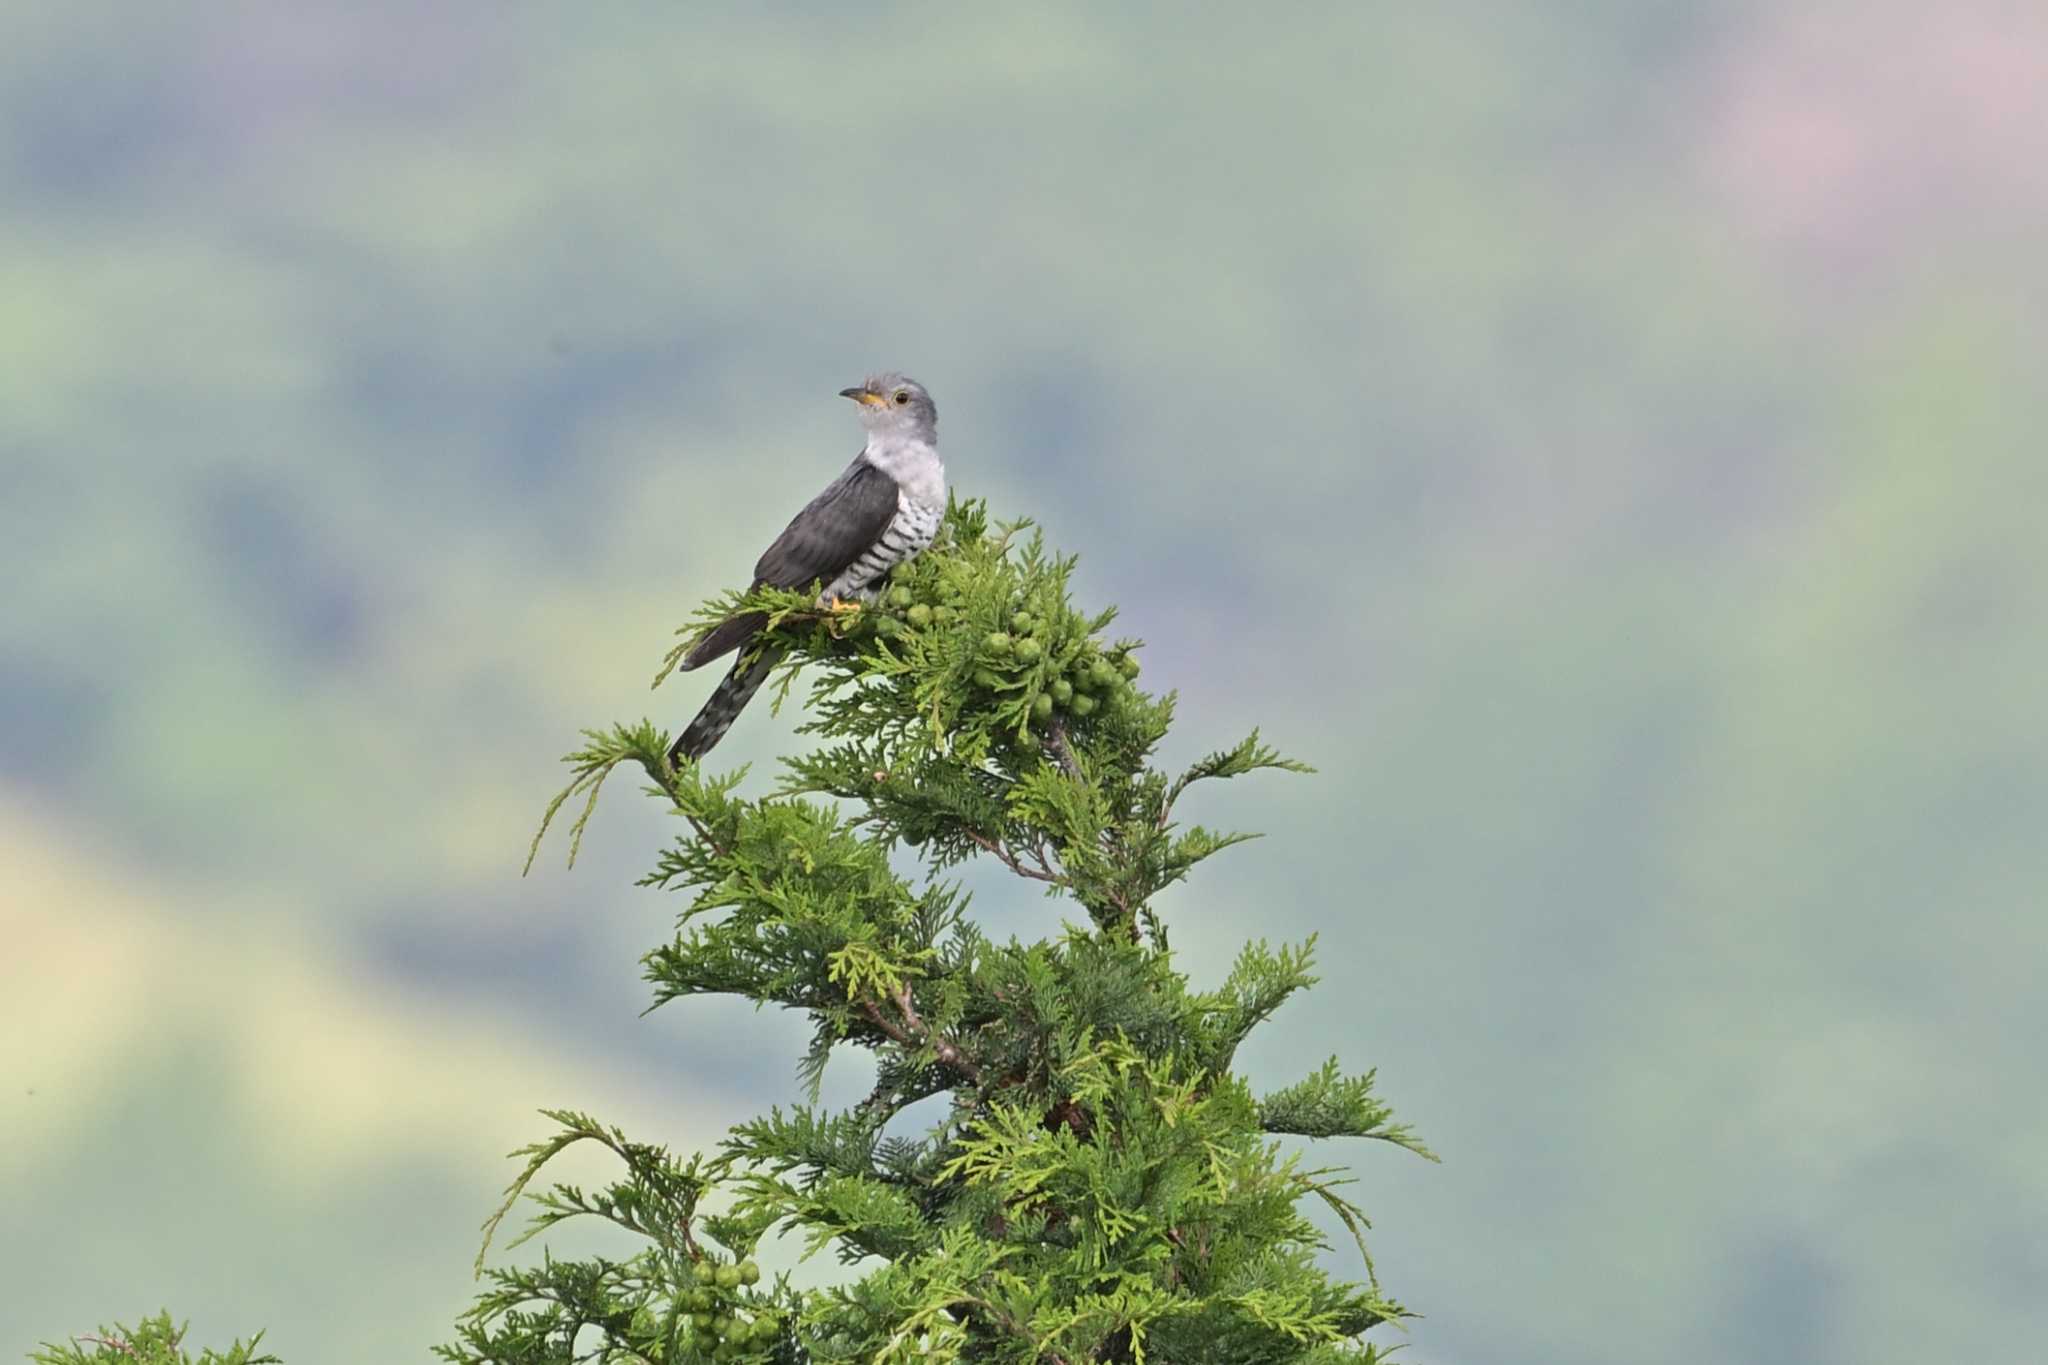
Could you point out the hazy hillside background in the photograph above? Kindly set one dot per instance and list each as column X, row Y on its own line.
column 1605, row 438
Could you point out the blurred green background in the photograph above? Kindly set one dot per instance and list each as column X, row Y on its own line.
column 1606, row 438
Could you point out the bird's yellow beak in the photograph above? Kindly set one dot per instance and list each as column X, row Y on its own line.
column 867, row 398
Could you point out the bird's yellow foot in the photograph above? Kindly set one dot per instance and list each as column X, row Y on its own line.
column 842, row 606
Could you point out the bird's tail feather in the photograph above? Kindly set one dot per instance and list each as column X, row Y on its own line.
column 724, row 705
column 724, row 638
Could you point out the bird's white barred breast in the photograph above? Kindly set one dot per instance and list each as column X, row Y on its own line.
column 916, row 523
column 920, row 504
column 910, row 531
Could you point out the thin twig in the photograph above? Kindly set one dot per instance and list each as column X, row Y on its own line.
column 912, row 1033
column 909, row 1008
column 945, row 1049
column 1173, row 794
column 1064, row 751
column 1042, row 873
column 665, row 778
column 704, row 834
column 881, row 1021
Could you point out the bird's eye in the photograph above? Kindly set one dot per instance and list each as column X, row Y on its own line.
column 902, row 398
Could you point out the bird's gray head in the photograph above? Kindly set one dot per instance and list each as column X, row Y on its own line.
column 895, row 405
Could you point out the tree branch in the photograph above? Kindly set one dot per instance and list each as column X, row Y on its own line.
column 913, row 1033
column 665, row 778
column 1042, row 873
column 945, row 1049
column 1064, row 751
column 894, row 1032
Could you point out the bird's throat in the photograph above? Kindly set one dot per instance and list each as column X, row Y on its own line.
column 914, row 465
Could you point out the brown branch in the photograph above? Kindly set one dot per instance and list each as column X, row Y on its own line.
column 1173, row 794
column 1064, row 751
column 880, row 1021
column 945, row 1049
column 702, row 833
column 665, row 778
column 909, row 1008
column 1042, row 873
column 913, row 1033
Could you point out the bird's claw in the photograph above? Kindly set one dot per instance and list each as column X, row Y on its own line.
column 842, row 606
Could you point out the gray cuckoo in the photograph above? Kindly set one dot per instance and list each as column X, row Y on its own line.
column 883, row 510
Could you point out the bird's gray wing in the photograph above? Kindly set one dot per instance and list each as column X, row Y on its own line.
column 832, row 531
column 836, row 528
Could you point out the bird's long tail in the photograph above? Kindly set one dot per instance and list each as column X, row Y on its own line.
column 724, row 705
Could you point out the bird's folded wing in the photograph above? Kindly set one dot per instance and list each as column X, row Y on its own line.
column 834, row 530
column 819, row 543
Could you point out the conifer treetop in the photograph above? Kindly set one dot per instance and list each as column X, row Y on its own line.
column 1102, row 1186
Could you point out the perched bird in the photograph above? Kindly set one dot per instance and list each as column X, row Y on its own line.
column 883, row 510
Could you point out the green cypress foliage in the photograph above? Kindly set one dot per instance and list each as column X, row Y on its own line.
column 153, row 1341
column 1100, row 1185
